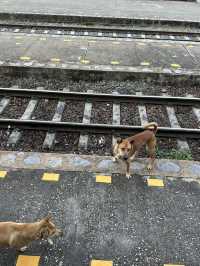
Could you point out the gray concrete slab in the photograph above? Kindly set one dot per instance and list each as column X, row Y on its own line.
column 96, row 52
column 126, row 221
column 162, row 10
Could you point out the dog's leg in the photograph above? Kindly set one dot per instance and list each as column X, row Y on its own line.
column 128, row 175
column 115, row 158
column 132, row 158
column 152, row 154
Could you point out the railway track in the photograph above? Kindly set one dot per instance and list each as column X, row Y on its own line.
column 106, row 32
column 78, row 118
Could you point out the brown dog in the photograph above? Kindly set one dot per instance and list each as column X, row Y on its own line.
column 19, row 235
column 128, row 148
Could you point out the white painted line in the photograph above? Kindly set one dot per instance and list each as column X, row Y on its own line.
column 186, row 38
column 50, row 137
column 142, row 112
column 16, row 30
column 143, row 36
column 3, row 104
column 83, row 139
column 100, row 33
column 72, row 32
column 129, row 35
column 85, row 33
column 114, row 34
column 32, row 31
column 46, row 31
column 116, row 117
column 172, row 37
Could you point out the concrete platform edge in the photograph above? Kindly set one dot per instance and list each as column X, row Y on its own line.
column 189, row 170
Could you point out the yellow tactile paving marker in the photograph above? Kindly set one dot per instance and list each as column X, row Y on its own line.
column 25, row 58
column 174, row 265
column 175, row 65
column 55, row 60
column 3, row 174
column 145, row 63
column 104, row 179
column 101, row 263
column 83, row 61
column 155, row 182
column 28, row 260
column 115, row 62
column 51, row 177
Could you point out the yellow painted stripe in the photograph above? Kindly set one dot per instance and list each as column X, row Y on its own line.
column 25, row 58
column 114, row 62
column 18, row 37
column 175, row 65
column 101, row 263
column 155, row 182
column 103, row 179
column 3, row 174
column 190, row 46
column 174, row 265
column 67, row 40
column 92, row 41
column 50, row 177
column 28, row 260
column 83, row 61
column 145, row 63
column 55, row 60
column 18, row 43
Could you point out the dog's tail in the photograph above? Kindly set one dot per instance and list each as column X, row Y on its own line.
column 152, row 126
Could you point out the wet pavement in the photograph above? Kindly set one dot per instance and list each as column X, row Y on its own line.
column 59, row 51
column 162, row 10
column 124, row 221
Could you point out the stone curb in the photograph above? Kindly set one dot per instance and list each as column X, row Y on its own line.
column 93, row 163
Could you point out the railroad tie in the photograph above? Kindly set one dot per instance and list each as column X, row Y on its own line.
column 50, row 136
column 83, row 139
column 116, row 117
column 16, row 134
column 195, row 110
column 142, row 111
column 182, row 144
column 3, row 104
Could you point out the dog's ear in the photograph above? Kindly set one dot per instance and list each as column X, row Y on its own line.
column 119, row 140
column 132, row 141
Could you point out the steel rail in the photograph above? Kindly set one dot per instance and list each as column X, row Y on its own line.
column 95, row 128
column 104, row 97
column 90, row 29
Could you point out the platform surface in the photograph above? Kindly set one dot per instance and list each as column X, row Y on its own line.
column 124, row 221
column 162, row 10
column 93, row 53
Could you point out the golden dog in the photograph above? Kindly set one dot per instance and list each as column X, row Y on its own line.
column 127, row 149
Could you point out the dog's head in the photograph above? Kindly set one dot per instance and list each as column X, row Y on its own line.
column 124, row 148
column 48, row 229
